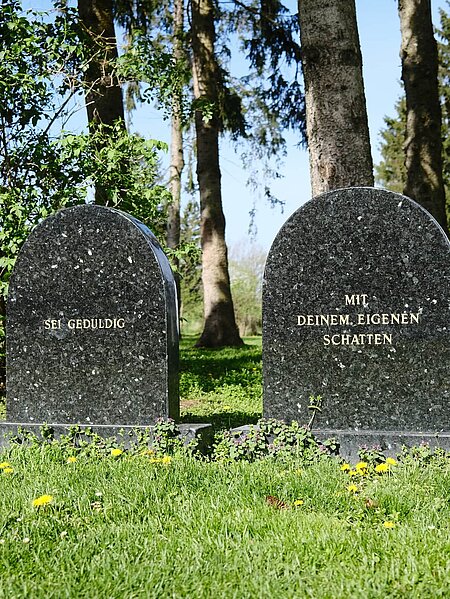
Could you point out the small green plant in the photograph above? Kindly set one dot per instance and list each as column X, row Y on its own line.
column 373, row 455
column 164, row 438
column 269, row 438
column 314, row 406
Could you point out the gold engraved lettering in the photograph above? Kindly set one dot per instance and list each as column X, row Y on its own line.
column 356, row 299
column 323, row 319
column 361, row 339
column 86, row 323
column 400, row 318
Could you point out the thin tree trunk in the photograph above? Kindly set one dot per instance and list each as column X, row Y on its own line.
column 176, row 145
column 104, row 102
column 423, row 144
column 2, row 347
column 336, row 116
column 220, row 327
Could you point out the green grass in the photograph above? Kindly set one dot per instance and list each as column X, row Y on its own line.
column 125, row 527
column 223, row 387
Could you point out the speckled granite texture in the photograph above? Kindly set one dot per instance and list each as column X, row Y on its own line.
column 92, row 326
column 356, row 309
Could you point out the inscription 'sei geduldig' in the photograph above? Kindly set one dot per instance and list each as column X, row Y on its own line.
column 54, row 324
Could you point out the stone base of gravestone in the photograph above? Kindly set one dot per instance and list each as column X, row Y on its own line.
column 126, row 435
column 390, row 443
column 356, row 310
column 350, row 443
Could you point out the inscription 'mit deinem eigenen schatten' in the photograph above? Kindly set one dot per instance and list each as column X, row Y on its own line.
column 358, row 319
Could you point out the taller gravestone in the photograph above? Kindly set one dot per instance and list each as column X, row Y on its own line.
column 92, row 328
column 356, row 309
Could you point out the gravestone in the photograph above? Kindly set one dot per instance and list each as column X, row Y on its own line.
column 356, row 309
column 92, row 325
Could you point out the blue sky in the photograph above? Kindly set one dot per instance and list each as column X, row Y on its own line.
column 379, row 32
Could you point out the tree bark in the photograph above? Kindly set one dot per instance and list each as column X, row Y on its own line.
column 104, row 102
column 220, row 327
column 176, row 140
column 2, row 347
column 423, row 144
column 336, row 116
column 176, row 148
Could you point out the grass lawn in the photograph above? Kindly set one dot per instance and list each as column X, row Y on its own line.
column 135, row 526
column 223, row 387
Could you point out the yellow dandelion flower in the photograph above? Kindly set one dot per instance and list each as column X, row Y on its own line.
column 381, row 468
column 8, row 470
column 71, row 459
column 42, row 500
column 166, row 459
column 298, row 502
column 361, row 466
column 352, row 488
column 345, row 467
column 155, row 460
column 353, row 472
column 391, row 461
column 389, row 524
column 116, row 452
column 148, row 452
column 4, row 465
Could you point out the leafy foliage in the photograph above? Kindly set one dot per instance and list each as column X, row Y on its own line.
column 246, row 274
column 43, row 167
column 270, row 438
column 391, row 172
column 34, row 181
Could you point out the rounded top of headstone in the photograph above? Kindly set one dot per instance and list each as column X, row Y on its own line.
column 91, row 221
column 384, row 213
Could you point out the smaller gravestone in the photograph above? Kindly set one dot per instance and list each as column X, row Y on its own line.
column 356, row 309
column 92, row 326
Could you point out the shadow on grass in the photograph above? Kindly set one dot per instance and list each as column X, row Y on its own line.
column 222, row 420
column 221, row 386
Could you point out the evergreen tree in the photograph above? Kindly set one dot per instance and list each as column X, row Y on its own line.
column 391, row 172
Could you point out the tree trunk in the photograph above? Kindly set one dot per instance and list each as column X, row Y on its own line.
column 104, row 103
column 176, row 147
column 220, row 327
column 423, row 145
column 176, row 144
column 2, row 347
column 336, row 116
